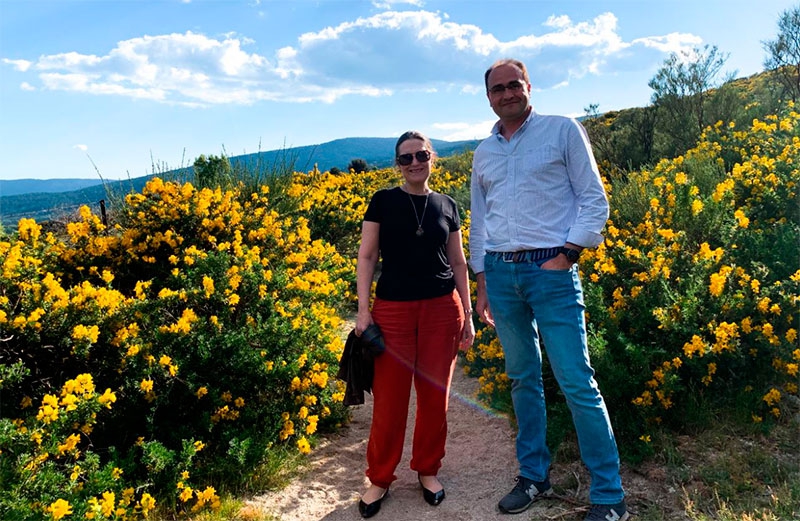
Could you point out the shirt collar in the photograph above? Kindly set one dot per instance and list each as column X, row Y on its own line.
column 498, row 125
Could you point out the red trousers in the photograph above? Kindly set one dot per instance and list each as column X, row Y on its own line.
column 421, row 339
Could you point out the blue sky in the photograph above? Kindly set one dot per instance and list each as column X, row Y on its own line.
column 129, row 87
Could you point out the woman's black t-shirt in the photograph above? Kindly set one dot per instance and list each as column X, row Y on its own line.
column 414, row 267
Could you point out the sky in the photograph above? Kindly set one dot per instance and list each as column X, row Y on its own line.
column 127, row 88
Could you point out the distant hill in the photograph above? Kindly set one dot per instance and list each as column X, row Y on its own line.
column 32, row 186
column 54, row 198
column 44, row 206
column 378, row 152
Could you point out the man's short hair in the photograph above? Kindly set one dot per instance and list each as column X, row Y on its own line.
column 506, row 61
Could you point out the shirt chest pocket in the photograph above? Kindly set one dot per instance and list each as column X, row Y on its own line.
column 543, row 159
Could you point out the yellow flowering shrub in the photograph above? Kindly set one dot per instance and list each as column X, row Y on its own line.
column 173, row 337
column 713, row 284
column 692, row 299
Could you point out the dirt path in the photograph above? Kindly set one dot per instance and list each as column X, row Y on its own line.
column 477, row 471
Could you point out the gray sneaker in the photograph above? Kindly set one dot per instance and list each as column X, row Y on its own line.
column 618, row 512
column 525, row 492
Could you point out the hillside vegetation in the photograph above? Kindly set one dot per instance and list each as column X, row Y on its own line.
column 181, row 348
column 187, row 347
column 59, row 199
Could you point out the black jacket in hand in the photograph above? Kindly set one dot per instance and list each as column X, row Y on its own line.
column 356, row 368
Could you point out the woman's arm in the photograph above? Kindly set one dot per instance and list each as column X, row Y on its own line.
column 458, row 262
column 365, row 270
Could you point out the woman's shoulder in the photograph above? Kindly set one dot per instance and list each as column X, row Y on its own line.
column 387, row 192
column 444, row 198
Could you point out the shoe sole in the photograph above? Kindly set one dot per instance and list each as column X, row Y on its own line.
column 542, row 495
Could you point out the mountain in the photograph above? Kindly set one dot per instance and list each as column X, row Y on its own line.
column 43, row 206
column 378, row 152
column 55, row 198
column 32, row 186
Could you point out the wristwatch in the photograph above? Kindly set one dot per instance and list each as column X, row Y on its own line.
column 572, row 255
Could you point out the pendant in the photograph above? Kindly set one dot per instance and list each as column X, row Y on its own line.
column 420, row 231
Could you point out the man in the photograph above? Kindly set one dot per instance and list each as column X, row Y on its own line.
column 537, row 201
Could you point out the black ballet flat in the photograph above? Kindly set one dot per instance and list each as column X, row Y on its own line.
column 432, row 498
column 369, row 510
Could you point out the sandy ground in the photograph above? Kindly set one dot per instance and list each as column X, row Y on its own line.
column 477, row 471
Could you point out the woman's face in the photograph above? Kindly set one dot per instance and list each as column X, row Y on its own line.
column 418, row 171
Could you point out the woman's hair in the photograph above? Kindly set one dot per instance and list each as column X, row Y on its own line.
column 413, row 134
column 506, row 61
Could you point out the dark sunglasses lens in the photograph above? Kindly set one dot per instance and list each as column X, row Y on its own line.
column 423, row 156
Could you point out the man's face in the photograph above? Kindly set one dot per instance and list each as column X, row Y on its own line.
column 509, row 94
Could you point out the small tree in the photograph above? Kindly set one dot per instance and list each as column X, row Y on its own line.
column 784, row 53
column 358, row 166
column 210, row 172
column 680, row 88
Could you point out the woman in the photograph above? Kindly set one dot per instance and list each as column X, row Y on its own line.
column 422, row 306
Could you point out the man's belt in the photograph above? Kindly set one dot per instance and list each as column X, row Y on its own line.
column 526, row 255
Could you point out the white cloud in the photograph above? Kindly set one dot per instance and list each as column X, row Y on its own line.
column 671, row 43
column 26, row 86
column 464, row 131
column 392, row 51
column 20, row 65
column 390, row 4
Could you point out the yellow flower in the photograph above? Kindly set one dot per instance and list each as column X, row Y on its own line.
column 146, row 385
column 741, row 219
column 772, row 397
column 147, row 503
column 186, row 494
column 81, row 332
column 208, row 285
column 107, row 398
column 70, row 444
column 60, row 508
column 717, row 284
column 107, row 503
column 48, row 411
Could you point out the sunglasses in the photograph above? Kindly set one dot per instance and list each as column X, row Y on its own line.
column 513, row 86
column 423, row 156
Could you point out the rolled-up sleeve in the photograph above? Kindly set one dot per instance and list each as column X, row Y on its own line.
column 477, row 227
column 590, row 194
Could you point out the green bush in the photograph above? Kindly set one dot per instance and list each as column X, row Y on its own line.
column 692, row 298
column 162, row 359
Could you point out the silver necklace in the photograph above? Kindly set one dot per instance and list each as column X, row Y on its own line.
column 420, row 232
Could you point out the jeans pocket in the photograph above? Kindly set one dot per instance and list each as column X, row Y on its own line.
column 489, row 262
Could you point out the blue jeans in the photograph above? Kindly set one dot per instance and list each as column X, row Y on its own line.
column 528, row 301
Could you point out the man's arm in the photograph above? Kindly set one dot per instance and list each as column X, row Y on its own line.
column 482, row 301
column 591, row 199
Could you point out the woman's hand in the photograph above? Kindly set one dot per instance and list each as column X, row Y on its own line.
column 467, row 333
column 363, row 321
